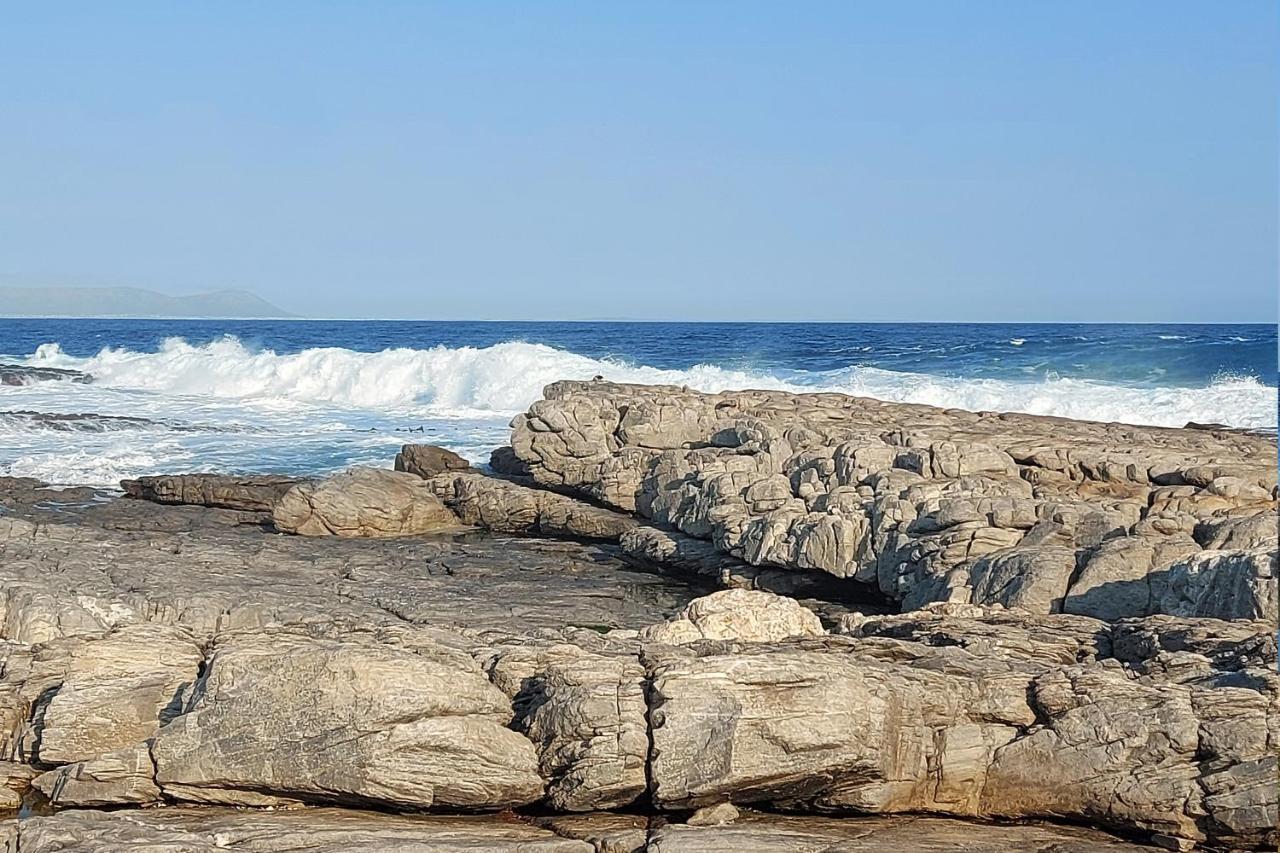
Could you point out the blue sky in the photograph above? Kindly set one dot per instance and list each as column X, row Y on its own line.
column 1094, row 160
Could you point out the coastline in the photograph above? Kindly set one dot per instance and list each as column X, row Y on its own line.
column 920, row 610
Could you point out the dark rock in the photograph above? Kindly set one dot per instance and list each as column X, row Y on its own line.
column 427, row 460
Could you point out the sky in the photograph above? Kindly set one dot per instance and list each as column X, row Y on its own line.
column 859, row 161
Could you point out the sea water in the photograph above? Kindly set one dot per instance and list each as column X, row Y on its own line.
column 308, row 397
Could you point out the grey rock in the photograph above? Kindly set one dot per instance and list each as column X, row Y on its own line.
column 328, row 830
column 899, row 496
column 248, row 493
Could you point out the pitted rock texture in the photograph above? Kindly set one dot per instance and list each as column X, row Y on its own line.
column 927, row 504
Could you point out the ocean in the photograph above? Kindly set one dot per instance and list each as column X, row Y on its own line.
column 308, row 397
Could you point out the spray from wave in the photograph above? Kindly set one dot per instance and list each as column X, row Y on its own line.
column 507, row 377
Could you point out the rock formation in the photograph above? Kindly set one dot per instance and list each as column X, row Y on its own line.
column 927, row 504
column 1086, row 636
column 427, row 460
column 362, row 502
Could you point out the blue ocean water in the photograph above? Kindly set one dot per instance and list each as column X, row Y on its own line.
column 312, row 396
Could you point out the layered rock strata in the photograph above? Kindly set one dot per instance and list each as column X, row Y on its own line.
column 926, row 504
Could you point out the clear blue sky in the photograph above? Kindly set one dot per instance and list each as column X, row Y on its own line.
column 1094, row 160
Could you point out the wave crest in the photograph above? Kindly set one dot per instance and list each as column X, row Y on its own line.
column 505, row 378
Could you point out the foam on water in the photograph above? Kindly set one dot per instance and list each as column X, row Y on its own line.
column 506, row 378
column 323, row 408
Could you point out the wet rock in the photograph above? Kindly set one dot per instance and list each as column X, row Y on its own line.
column 21, row 374
column 427, row 460
column 504, row 461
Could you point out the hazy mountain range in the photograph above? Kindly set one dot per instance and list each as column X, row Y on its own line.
column 131, row 302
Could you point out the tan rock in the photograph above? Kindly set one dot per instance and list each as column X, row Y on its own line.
column 737, row 614
column 350, row 719
column 363, row 502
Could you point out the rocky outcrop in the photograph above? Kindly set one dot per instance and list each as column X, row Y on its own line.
column 163, row 654
column 363, row 502
column 773, row 834
column 249, row 493
column 427, row 460
column 968, row 717
column 928, row 504
column 22, row 374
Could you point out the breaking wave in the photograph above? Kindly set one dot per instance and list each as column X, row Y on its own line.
column 507, row 377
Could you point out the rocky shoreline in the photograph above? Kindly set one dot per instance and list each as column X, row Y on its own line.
column 664, row 621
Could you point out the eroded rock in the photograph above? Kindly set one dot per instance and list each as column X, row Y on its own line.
column 363, row 502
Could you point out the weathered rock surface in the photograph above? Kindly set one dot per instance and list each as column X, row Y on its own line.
column 123, row 777
column 737, row 614
column 172, row 652
column 507, row 507
column 775, row 834
column 363, row 502
column 585, row 711
column 249, row 493
column 427, row 460
column 968, row 712
column 396, row 720
column 329, row 830
column 928, row 504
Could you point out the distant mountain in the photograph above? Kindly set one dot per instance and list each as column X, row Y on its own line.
column 130, row 302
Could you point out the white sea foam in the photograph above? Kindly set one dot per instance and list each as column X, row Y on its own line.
column 507, row 377
column 324, row 408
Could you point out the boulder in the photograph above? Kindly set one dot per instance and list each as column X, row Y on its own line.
column 737, row 614
column 363, row 502
column 122, row 777
column 427, row 460
column 97, row 694
column 504, row 461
